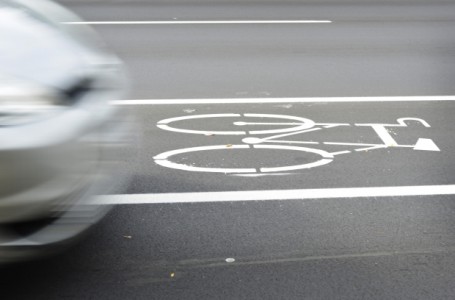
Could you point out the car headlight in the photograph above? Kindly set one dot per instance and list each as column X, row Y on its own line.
column 23, row 102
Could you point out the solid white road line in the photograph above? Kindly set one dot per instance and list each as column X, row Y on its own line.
column 267, row 195
column 176, row 22
column 282, row 100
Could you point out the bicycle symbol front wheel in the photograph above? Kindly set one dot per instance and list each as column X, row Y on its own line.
column 291, row 124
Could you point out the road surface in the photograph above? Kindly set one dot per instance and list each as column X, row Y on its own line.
column 334, row 179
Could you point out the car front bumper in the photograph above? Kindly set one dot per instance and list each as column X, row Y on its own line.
column 51, row 170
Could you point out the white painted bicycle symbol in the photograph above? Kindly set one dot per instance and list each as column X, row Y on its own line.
column 270, row 138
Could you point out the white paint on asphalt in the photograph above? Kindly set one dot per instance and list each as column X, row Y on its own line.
column 373, row 148
column 219, row 22
column 295, row 132
column 401, row 122
column 261, row 174
column 285, row 142
column 327, row 158
column 301, row 125
column 282, row 100
column 161, row 159
column 163, row 124
column 388, row 140
column 282, row 195
column 304, row 126
column 340, row 152
column 384, row 135
column 349, row 144
column 426, row 145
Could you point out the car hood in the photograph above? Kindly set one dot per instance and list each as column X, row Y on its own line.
column 34, row 49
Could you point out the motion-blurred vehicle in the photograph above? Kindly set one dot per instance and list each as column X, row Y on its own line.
column 60, row 140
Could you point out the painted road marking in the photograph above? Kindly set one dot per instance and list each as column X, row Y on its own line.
column 162, row 160
column 220, row 22
column 426, row 145
column 302, row 125
column 165, row 159
column 283, row 100
column 281, row 195
column 163, row 124
column 384, row 134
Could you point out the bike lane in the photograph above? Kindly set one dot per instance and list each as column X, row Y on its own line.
column 281, row 146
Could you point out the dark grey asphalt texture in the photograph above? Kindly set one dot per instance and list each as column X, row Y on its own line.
column 350, row 248
column 404, row 48
column 379, row 167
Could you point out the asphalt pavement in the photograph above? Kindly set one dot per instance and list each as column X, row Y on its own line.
column 261, row 130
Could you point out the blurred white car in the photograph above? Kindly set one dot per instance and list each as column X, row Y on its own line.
column 60, row 140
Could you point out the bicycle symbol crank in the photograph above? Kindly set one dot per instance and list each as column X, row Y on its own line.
column 287, row 126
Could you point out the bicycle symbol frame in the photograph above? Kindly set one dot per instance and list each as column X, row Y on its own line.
column 294, row 126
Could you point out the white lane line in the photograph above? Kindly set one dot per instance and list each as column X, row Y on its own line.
column 282, row 100
column 175, row 22
column 266, row 195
